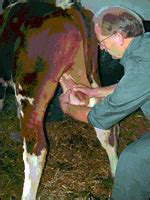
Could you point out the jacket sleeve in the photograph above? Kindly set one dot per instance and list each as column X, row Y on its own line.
column 131, row 93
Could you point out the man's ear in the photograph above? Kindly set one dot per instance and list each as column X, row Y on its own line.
column 118, row 38
column 97, row 29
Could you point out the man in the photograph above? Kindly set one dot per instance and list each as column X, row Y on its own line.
column 120, row 32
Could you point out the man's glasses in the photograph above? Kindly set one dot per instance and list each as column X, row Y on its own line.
column 100, row 42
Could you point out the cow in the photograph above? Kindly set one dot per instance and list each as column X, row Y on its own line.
column 39, row 44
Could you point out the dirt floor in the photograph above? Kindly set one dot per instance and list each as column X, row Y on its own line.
column 77, row 166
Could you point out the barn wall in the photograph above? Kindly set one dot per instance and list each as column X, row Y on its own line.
column 142, row 7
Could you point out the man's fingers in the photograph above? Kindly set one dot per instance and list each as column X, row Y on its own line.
column 65, row 97
column 83, row 90
column 81, row 95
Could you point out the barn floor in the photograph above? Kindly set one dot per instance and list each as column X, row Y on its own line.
column 77, row 166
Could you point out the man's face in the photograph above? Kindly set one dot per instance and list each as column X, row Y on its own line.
column 111, row 44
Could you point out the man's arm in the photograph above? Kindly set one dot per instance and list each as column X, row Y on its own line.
column 100, row 92
column 75, row 111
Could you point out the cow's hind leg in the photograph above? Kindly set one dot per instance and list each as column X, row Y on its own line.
column 108, row 140
column 33, row 167
column 35, row 151
column 32, row 112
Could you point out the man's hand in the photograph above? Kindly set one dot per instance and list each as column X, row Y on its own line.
column 90, row 92
column 67, row 83
column 64, row 100
column 78, row 98
column 75, row 111
column 99, row 92
column 74, row 98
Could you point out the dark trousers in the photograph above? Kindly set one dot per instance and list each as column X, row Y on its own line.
column 132, row 180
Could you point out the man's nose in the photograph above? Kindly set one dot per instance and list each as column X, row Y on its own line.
column 102, row 46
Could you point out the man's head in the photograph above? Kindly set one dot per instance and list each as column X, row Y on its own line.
column 115, row 27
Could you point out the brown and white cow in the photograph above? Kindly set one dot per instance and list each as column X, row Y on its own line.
column 39, row 43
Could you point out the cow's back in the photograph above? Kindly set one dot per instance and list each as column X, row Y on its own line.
column 23, row 16
column 16, row 20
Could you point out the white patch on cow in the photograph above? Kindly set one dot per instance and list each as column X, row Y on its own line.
column 93, row 84
column 33, row 169
column 20, row 88
column 103, row 137
column 19, row 98
column 2, row 101
column 92, row 100
column 68, row 76
column 20, row 113
column 4, row 87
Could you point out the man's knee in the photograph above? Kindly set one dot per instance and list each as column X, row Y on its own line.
column 140, row 149
column 132, row 178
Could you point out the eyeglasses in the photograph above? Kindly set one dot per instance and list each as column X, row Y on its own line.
column 100, row 42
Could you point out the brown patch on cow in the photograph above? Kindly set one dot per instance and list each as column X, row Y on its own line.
column 29, row 78
column 26, row 62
